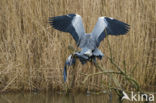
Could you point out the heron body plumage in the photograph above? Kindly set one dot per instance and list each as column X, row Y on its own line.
column 89, row 43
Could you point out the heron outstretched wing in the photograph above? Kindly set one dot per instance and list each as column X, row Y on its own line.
column 108, row 26
column 71, row 23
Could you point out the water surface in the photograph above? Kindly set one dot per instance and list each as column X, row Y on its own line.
column 58, row 98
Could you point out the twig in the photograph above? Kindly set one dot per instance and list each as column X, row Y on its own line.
column 12, row 80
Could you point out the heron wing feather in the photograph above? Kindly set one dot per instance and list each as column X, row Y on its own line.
column 71, row 23
column 108, row 26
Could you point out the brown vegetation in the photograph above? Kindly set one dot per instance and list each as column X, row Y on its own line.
column 32, row 54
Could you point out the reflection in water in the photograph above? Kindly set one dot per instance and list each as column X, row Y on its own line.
column 53, row 98
column 57, row 98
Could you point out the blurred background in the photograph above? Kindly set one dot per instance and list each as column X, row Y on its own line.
column 32, row 54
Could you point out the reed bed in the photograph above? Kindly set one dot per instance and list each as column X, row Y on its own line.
column 32, row 54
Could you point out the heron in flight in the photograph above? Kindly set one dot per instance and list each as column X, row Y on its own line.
column 88, row 42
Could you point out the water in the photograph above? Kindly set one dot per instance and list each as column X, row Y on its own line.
column 58, row 98
column 53, row 98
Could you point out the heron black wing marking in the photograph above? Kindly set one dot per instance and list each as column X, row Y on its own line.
column 71, row 23
column 108, row 26
column 116, row 27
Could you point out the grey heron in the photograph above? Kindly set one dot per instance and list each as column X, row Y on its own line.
column 88, row 42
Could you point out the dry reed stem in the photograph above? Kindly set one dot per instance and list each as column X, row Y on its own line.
column 35, row 52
